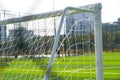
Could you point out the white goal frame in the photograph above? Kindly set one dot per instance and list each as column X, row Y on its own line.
column 96, row 9
column 93, row 8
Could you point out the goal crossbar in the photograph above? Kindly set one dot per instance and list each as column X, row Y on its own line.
column 71, row 10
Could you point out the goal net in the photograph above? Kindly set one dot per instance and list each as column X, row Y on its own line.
column 59, row 45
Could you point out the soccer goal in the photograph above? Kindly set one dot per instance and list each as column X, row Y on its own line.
column 59, row 45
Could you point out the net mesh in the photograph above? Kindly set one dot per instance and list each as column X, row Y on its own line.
column 75, row 55
column 25, row 48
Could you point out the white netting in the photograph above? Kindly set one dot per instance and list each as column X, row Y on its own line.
column 26, row 47
column 75, row 58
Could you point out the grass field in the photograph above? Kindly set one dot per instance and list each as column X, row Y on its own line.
column 64, row 68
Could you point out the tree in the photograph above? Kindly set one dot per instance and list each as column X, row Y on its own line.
column 20, row 40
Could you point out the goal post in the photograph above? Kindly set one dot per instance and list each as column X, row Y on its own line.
column 98, row 45
column 31, row 39
column 98, row 38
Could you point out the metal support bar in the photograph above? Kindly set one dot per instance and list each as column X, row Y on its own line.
column 55, row 45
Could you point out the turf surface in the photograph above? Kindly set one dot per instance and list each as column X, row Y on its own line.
column 65, row 68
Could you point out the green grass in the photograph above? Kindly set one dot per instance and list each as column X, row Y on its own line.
column 65, row 68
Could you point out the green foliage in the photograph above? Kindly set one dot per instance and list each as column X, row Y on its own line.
column 20, row 40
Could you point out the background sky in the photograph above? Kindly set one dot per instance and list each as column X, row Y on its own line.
column 110, row 9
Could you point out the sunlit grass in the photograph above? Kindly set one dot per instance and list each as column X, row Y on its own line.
column 64, row 68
